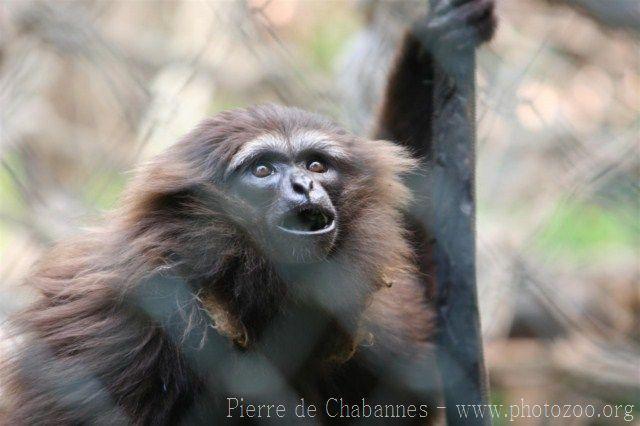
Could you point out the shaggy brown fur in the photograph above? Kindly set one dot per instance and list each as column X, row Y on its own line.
column 92, row 350
column 173, row 306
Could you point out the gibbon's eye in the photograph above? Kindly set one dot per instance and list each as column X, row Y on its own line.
column 262, row 170
column 316, row 166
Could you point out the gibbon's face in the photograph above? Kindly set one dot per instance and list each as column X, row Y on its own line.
column 289, row 181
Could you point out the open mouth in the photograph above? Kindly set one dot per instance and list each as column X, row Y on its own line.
column 308, row 220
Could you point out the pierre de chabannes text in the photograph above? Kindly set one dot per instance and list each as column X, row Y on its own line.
column 332, row 407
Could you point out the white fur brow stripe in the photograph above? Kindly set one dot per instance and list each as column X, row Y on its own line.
column 314, row 139
column 300, row 141
column 249, row 149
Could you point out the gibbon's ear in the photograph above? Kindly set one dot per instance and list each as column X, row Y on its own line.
column 389, row 163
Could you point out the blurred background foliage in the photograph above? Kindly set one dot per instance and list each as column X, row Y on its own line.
column 90, row 88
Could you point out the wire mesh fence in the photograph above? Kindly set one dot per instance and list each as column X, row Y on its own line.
column 89, row 89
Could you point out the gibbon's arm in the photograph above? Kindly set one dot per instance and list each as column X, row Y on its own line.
column 419, row 98
column 407, row 107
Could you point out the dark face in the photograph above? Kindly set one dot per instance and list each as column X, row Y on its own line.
column 288, row 182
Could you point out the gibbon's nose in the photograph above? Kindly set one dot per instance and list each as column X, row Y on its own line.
column 301, row 183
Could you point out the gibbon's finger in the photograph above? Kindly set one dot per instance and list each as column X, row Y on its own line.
column 461, row 15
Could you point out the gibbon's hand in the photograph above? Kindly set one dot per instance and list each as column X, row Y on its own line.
column 456, row 25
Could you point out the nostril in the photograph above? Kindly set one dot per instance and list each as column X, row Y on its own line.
column 302, row 186
column 298, row 187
